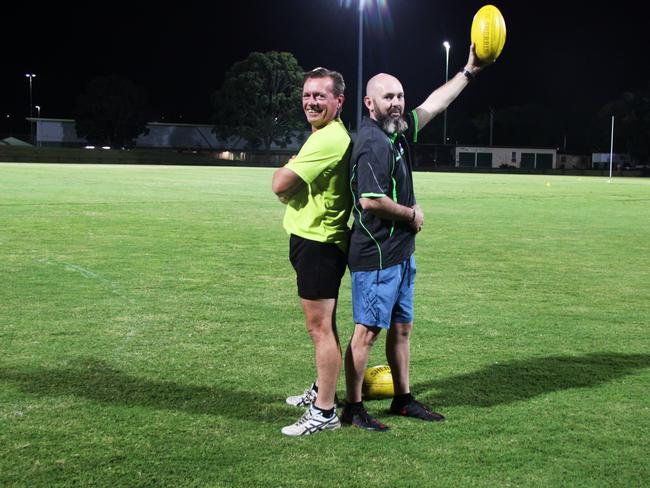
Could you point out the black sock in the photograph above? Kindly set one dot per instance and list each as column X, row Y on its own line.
column 401, row 400
column 353, row 406
column 325, row 413
column 314, row 387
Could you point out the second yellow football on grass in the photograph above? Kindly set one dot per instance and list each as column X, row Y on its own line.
column 378, row 383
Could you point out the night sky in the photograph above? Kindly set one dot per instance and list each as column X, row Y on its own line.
column 570, row 57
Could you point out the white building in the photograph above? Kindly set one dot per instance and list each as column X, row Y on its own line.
column 497, row 156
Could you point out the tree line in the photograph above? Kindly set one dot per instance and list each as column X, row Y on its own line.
column 259, row 103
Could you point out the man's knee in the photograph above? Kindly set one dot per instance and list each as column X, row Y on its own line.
column 319, row 316
column 401, row 331
column 365, row 336
column 319, row 327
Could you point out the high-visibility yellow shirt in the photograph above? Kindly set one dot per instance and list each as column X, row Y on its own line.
column 321, row 208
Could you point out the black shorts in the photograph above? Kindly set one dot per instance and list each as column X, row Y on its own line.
column 319, row 267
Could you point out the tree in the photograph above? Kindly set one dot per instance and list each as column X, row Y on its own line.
column 113, row 112
column 260, row 100
column 631, row 125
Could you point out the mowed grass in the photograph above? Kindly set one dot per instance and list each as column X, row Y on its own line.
column 150, row 331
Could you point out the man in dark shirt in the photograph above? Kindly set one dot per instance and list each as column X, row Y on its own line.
column 386, row 220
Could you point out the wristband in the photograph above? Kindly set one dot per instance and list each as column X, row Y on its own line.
column 468, row 74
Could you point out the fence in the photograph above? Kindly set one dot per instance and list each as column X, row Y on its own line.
column 426, row 158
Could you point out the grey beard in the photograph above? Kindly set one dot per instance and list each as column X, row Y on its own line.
column 392, row 126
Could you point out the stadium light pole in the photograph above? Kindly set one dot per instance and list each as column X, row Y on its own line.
column 444, row 123
column 360, row 67
column 31, row 76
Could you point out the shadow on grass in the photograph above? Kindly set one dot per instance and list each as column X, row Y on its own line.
column 496, row 384
column 513, row 381
column 99, row 381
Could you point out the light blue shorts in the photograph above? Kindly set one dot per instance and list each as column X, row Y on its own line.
column 385, row 296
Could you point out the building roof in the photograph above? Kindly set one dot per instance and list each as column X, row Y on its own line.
column 12, row 141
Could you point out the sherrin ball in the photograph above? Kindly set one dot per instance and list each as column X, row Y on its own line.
column 488, row 33
column 378, row 383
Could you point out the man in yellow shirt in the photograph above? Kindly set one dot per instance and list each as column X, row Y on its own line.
column 314, row 187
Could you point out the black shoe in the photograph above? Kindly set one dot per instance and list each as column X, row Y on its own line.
column 416, row 410
column 358, row 417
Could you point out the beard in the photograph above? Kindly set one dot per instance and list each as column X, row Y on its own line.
column 391, row 125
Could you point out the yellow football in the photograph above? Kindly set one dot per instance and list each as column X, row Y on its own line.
column 488, row 33
column 378, row 383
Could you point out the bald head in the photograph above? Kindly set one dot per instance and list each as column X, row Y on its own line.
column 385, row 102
column 381, row 83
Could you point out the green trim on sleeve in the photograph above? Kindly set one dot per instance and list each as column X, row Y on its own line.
column 417, row 125
column 372, row 195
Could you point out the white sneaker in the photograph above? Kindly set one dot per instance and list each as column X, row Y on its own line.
column 304, row 400
column 311, row 422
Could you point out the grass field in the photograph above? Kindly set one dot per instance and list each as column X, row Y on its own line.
column 150, row 331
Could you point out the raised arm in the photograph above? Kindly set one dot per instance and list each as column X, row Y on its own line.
column 442, row 97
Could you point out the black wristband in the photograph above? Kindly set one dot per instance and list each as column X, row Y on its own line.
column 468, row 74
